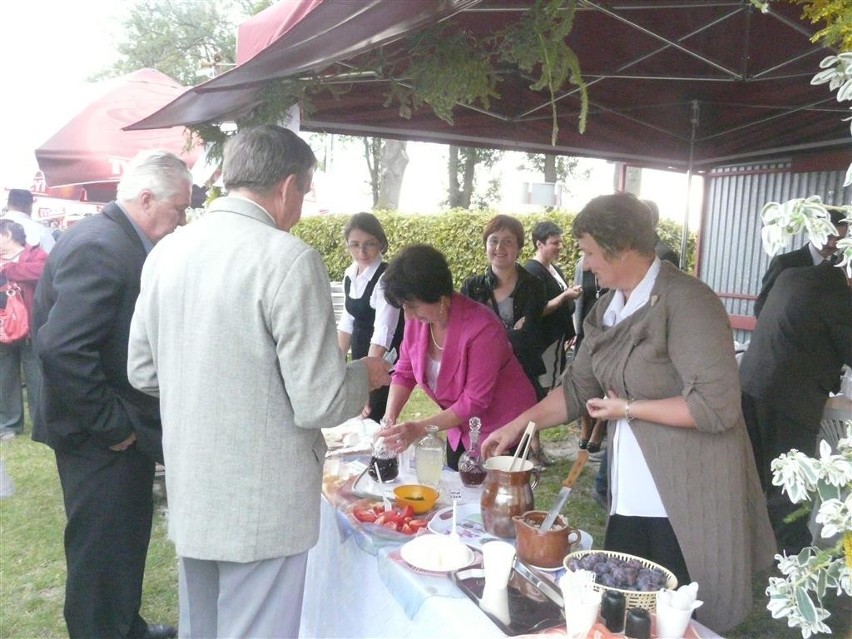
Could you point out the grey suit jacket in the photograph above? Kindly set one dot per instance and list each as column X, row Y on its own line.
column 234, row 330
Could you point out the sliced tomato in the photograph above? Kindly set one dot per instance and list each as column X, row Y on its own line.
column 364, row 515
column 383, row 518
column 378, row 508
column 391, row 525
column 417, row 524
column 405, row 529
column 407, row 512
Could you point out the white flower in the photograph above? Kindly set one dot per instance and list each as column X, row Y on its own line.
column 835, row 516
column 844, row 247
column 797, row 473
column 780, row 221
column 833, row 469
column 844, row 581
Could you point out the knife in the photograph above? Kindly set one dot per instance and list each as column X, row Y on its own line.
column 567, row 485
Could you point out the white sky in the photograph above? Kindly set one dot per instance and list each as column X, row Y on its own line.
column 49, row 47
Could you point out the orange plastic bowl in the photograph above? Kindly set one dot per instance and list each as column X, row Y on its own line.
column 421, row 498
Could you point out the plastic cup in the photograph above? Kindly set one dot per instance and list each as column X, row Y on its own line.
column 671, row 622
column 498, row 557
column 581, row 613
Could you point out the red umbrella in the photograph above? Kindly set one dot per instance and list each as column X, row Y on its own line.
column 93, row 149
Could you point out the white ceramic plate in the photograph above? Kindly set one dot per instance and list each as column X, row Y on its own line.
column 436, row 553
column 468, row 524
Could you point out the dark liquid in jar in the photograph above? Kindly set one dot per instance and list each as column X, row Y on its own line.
column 388, row 468
column 472, row 477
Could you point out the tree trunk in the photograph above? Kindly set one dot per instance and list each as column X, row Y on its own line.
column 454, row 193
column 470, row 161
column 550, row 168
column 373, row 155
column 394, row 161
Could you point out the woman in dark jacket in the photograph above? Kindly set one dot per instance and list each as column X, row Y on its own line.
column 512, row 293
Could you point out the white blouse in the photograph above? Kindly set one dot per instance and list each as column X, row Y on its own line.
column 634, row 492
column 387, row 316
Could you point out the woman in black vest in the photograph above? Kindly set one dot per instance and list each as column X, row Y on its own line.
column 369, row 325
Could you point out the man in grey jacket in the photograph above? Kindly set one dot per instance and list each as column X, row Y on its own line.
column 234, row 331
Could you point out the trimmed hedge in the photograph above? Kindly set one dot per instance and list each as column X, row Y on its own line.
column 457, row 233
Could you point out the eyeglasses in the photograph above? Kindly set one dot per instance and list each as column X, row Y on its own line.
column 506, row 242
column 367, row 246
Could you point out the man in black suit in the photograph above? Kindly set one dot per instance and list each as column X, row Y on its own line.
column 106, row 435
column 797, row 350
column 808, row 255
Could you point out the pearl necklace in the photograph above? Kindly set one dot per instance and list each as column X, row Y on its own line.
column 434, row 341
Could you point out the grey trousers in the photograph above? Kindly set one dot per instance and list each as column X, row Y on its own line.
column 14, row 357
column 260, row 599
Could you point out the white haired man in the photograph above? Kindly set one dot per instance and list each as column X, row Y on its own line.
column 106, row 434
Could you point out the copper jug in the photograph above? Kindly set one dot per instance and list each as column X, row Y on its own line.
column 506, row 493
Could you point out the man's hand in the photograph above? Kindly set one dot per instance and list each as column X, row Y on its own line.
column 377, row 370
column 127, row 443
column 501, row 440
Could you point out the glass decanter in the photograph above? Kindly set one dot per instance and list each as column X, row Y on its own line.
column 471, row 467
column 429, row 457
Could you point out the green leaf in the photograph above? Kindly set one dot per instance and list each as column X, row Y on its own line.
column 805, row 605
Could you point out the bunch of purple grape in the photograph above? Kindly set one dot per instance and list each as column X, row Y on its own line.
column 613, row 572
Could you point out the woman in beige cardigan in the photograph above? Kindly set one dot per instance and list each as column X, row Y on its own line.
column 658, row 363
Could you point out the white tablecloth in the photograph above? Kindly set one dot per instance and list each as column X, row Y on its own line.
column 354, row 589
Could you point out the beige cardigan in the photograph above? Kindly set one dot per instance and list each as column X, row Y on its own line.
column 680, row 343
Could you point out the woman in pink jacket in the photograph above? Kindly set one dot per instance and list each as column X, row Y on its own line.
column 455, row 349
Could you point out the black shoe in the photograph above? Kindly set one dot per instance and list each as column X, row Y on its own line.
column 160, row 631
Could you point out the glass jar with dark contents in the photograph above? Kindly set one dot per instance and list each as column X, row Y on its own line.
column 386, row 462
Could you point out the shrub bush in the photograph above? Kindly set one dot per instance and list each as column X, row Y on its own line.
column 457, row 233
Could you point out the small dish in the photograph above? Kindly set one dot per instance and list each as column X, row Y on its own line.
column 421, row 498
column 436, row 553
column 468, row 524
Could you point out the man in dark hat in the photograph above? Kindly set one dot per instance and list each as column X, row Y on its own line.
column 19, row 208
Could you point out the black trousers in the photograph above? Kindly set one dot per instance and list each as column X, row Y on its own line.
column 650, row 538
column 774, row 431
column 109, row 505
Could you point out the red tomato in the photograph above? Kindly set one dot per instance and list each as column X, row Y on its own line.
column 382, row 519
column 391, row 525
column 378, row 508
column 364, row 515
column 405, row 529
column 417, row 524
column 407, row 512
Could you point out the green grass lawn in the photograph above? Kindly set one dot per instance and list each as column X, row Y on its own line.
column 32, row 566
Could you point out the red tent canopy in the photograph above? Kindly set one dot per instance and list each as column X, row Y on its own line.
column 93, row 148
column 671, row 84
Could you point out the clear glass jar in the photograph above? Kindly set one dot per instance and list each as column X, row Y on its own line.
column 471, row 467
column 429, row 457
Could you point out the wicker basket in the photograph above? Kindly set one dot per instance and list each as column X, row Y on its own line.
column 634, row 599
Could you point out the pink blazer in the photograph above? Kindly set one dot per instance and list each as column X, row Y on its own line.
column 479, row 375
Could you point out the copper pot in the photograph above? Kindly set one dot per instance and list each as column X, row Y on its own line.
column 543, row 549
column 506, row 493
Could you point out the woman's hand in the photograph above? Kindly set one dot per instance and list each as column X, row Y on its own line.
column 400, row 436
column 610, row 408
